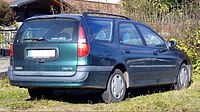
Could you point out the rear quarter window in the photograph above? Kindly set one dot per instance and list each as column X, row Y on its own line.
column 51, row 30
column 101, row 29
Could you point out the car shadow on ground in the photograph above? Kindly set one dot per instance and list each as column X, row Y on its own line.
column 94, row 96
column 78, row 96
column 135, row 92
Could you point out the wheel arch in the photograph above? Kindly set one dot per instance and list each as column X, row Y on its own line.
column 184, row 61
column 123, row 68
column 188, row 64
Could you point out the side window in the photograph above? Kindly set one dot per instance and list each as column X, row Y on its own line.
column 101, row 29
column 150, row 37
column 129, row 35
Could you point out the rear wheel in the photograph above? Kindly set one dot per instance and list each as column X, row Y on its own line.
column 116, row 88
column 183, row 78
column 39, row 93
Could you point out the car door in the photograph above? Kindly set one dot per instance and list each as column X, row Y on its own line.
column 137, row 57
column 163, row 59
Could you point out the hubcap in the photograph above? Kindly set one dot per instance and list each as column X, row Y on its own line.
column 117, row 86
column 183, row 77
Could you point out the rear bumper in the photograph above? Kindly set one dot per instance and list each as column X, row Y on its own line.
column 85, row 77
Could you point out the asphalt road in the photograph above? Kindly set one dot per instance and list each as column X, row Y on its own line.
column 4, row 63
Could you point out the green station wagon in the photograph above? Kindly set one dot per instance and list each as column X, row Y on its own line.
column 93, row 51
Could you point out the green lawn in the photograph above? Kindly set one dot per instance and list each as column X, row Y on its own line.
column 17, row 99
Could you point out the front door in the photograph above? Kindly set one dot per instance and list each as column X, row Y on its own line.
column 163, row 59
column 135, row 53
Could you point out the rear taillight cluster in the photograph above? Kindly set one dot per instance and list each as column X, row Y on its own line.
column 11, row 50
column 83, row 46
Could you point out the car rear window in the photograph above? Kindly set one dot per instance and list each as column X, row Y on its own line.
column 101, row 29
column 49, row 30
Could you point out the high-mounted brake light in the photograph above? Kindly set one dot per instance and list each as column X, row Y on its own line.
column 83, row 46
column 11, row 50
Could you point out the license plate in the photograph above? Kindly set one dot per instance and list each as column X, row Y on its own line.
column 41, row 53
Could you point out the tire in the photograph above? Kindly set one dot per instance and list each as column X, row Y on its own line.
column 116, row 88
column 39, row 93
column 183, row 78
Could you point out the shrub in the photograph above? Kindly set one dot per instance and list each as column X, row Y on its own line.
column 170, row 18
column 191, row 45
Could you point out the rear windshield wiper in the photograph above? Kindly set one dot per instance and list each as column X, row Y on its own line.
column 36, row 39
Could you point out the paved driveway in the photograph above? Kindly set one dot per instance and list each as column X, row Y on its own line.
column 4, row 63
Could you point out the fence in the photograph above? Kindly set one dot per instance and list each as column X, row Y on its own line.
column 6, row 37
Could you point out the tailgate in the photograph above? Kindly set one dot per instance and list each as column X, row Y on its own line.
column 47, row 45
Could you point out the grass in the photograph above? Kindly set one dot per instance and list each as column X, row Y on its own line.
column 17, row 99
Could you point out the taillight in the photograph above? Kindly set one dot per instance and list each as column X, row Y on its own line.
column 11, row 50
column 83, row 46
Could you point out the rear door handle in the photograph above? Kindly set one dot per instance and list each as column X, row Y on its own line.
column 127, row 51
column 156, row 52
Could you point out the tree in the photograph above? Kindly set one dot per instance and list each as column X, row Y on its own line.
column 7, row 16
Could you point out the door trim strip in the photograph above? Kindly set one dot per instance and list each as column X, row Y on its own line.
column 153, row 66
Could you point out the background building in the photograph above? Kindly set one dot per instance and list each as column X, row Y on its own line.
column 28, row 8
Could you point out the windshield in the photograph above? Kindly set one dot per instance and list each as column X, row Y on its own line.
column 49, row 30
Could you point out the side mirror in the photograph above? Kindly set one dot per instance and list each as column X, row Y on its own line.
column 172, row 44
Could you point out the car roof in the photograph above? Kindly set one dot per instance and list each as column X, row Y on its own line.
column 85, row 14
column 79, row 16
column 75, row 16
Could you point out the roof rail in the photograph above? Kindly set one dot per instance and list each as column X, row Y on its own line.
column 85, row 14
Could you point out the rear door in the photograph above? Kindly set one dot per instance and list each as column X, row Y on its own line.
column 136, row 55
column 46, row 45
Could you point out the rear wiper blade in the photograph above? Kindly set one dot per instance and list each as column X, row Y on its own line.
column 37, row 39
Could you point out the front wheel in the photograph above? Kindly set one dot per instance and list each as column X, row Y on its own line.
column 183, row 78
column 116, row 88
